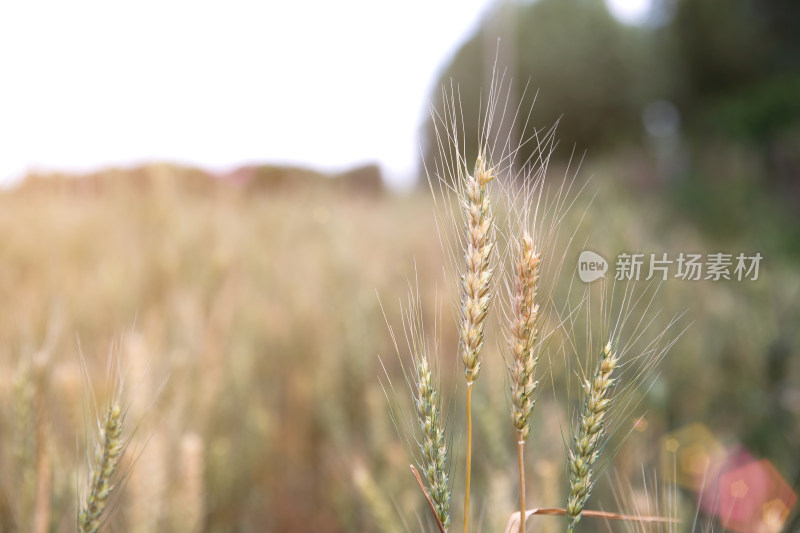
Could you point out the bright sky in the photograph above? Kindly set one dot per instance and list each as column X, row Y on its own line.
column 629, row 11
column 90, row 83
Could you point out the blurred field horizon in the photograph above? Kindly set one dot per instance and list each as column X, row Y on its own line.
column 248, row 297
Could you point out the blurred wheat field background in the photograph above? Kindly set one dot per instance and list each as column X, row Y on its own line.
column 249, row 329
column 260, row 311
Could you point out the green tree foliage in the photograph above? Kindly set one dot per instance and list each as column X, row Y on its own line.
column 731, row 66
column 582, row 66
column 740, row 62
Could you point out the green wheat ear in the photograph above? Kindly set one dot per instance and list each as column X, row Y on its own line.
column 431, row 470
column 433, row 447
column 108, row 451
column 585, row 450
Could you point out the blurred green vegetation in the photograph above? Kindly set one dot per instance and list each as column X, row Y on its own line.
column 729, row 69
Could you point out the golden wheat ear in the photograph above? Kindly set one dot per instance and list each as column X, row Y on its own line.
column 477, row 274
column 523, row 334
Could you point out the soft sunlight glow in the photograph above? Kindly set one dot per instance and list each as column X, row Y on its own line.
column 629, row 11
column 326, row 84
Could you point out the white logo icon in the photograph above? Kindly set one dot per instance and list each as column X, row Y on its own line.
column 591, row 266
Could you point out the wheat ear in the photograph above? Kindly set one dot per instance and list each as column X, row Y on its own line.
column 434, row 450
column 475, row 291
column 586, row 446
column 523, row 336
column 107, row 455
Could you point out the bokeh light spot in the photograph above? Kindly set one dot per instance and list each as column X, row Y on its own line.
column 739, row 489
column 690, row 456
column 754, row 497
column 774, row 514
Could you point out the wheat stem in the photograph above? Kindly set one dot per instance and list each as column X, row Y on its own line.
column 521, row 461
column 468, row 472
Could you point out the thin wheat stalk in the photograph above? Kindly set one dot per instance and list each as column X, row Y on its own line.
column 475, row 291
column 468, row 471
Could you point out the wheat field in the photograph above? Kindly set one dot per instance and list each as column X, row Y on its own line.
column 245, row 334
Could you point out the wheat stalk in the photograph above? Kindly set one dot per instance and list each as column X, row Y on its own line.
column 475, row 291
column 523, row 336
